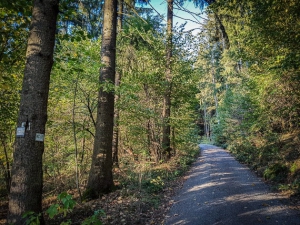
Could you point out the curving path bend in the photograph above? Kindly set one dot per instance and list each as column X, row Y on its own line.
column 219, row 190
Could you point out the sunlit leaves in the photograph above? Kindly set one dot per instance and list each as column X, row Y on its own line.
column 261, row 104
column 143, row 85
column 14, row 24
column 74, row 86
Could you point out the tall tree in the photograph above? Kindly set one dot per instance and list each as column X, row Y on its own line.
column 115, row 144
column 166, row 133
column 166, row 143
column 27, row 174
column 100, row 176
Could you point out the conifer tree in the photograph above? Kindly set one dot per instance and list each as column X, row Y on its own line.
column 100, row 176
column 27, row 175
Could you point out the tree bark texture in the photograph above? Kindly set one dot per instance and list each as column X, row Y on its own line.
column 166, row 140
column 100, row 176
column 27, row 175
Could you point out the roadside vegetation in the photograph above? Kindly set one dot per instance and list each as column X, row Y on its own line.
column 250, row 91
column 236, row 84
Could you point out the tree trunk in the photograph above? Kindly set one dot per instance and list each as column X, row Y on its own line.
column 206, row 121
column 77, row 173
column 215, row 94
column 120, row 14
column 167, row 96
column 224, row 33
column 27, row 175
column 115, row 144
column 100, row 176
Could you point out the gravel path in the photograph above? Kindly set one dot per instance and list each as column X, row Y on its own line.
column 219, row 190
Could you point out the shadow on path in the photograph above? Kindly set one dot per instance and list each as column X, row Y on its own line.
column 219, row 190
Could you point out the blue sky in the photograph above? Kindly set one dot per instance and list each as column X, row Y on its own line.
column 161, row 7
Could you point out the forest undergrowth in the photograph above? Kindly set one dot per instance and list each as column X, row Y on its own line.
column 277, row 161
column 142, row 194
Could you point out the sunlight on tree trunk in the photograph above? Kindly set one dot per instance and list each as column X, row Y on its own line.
column 166, row 143
column 100, row 176
column 27, row 174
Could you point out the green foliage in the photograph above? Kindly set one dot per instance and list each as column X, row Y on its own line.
column 32, row 218
column 14, row 24
column 65, row 205
column 186, row 161
column 84, row 14
column 94, row 219
column 53, row 210
column 294, row 168
column 73, row 92
column 142, row 64
column 276, row 172
column 296, row 185
column 154, row 185
column 68, row 222
column 252, row 103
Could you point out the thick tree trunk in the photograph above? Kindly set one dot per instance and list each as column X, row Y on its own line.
column 100, row 176
column 166, row 140
column 27, row 175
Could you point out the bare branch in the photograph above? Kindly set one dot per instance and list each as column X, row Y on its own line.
column 190, row 20
column 156, row 11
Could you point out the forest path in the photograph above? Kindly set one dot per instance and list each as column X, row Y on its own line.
column 219, row 190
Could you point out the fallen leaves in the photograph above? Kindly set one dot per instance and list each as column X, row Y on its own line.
column 129, row 207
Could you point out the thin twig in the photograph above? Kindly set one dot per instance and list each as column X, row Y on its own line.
column 156, row 11
column 135, row 12
column 190, row 20
column 185, row 10
column 190, row 12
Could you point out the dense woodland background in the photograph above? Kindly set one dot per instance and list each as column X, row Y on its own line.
column 236, row 83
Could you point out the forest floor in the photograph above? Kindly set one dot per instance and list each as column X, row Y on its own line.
column 119, row 208
column 122, row 206
column 130, row 206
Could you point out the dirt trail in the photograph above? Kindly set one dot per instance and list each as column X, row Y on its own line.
column 219, row 190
